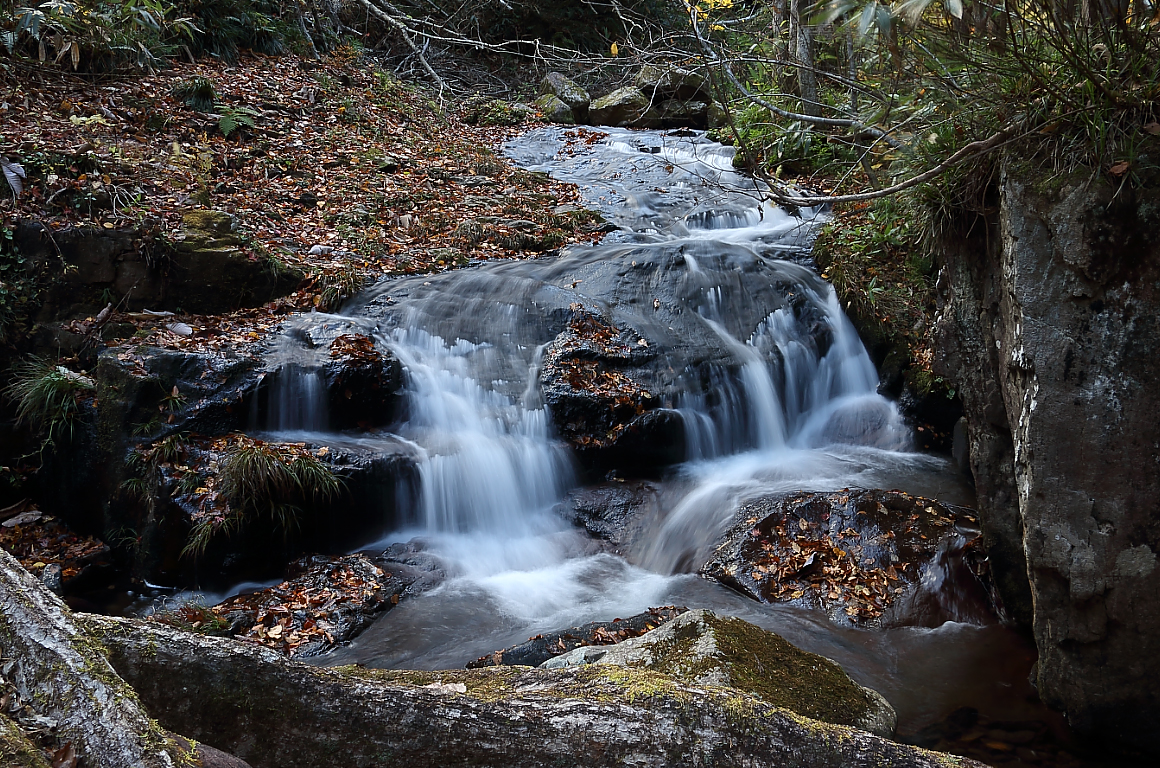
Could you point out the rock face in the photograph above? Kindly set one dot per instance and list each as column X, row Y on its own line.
column 706, row 649
column 206, row 271
column 660, row 83
column 1050, row 328
column 865, row 557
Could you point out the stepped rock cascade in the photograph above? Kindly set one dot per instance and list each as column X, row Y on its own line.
column 695, row 343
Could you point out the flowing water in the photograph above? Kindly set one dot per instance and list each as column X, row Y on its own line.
column 751, row 349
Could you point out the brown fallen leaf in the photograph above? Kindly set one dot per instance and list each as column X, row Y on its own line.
column 1120, row 168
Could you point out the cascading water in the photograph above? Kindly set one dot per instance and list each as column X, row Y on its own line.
column 750, row 347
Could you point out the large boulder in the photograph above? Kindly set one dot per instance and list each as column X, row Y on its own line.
column 576, row 98
column 660, row 83
column 705, row 649
column 1050, row 330
column 273, row 711
column 624, row 106
column 554, row 110
column 865, row 557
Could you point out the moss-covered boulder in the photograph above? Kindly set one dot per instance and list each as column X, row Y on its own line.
column 567, row 91
column 554, row 110
column 624, row 106
column 703, row 648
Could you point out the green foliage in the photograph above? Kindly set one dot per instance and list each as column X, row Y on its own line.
column 197, row 93
column 46, row 396
column 231, row 119
column 95, row 36
column 337, row 287
column 103, row 36
column 227, row 26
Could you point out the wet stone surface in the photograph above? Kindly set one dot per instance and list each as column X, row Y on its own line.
column 540, row 648
column 865, row 557
column 324, row 602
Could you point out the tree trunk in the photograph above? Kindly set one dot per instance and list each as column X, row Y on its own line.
column 801, row 46
column 273, row 712
column 68, row 680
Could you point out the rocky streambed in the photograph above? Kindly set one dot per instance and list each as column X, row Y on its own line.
column 557, row 450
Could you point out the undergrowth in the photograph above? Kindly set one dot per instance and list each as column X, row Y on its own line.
column 264, row 480
column 46, row 396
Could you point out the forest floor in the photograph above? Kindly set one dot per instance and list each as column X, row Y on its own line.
column 330, row 167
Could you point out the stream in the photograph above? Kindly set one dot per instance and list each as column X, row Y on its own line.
column 744, row 341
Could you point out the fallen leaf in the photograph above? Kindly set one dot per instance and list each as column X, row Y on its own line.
column 1120, row 168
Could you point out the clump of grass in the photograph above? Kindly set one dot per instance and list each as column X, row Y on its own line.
column 337, row 287
column 46, row 396
column 265, row 480
column 196, row 93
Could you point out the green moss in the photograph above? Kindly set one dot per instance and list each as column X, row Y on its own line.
column 787, row 676
column 16, row 749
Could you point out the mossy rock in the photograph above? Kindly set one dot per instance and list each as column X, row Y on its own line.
column 15, row 748
column 624, row 106
column 671, row 83
column 210, row 272
column 703, row 648
column 567, row 91
column 554, row 110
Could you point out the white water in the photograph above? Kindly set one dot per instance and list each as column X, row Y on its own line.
column 791, row 416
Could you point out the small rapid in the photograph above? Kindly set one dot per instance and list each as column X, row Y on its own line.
column 735, row 333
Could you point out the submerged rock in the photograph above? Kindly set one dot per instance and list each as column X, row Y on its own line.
column 586, row 639
column 865, row 557
column 705, row 649
column 620, row 512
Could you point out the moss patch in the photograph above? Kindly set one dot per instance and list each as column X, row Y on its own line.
column 786, row 676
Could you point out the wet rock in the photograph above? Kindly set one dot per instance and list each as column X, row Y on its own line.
column 363, row 382
column 595, row 401
column 703, row 648
column 555, row 110
column 576, row 98
column 377, row 479
column 865, row 557
column 624, row 106
column 661, row 83
column 616, row 512
column 539, row 650
column 1049, row 328
column 324, row 601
